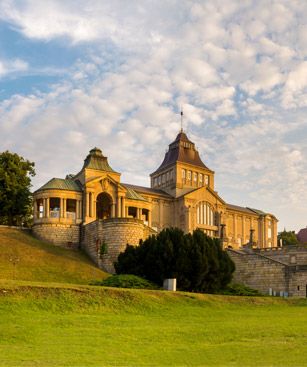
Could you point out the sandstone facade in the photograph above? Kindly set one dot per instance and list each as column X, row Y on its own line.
column 94, row 205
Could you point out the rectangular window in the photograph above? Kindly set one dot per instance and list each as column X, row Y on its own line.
column 269, row 233
column 159, row 180
column 201, row 179
column 189, row 175
column 206, row 179
column 163, row 178
column 195, row 177
column 183, row 174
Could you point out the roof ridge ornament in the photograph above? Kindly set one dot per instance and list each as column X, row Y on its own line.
column 181, row 119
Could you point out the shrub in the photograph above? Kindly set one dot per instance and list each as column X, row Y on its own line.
column 103, row 249
column 127, row 281
column 240, row 290
column 196, row 260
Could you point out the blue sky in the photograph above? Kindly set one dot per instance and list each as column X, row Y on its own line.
column 79, row 74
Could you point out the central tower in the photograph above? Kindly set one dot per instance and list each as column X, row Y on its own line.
column 182, row 170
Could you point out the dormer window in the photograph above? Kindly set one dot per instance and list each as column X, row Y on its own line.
column 206, row 179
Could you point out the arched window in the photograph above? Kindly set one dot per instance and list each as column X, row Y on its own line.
column 204, row 213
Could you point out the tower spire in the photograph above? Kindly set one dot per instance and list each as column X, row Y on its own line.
column 181, row 119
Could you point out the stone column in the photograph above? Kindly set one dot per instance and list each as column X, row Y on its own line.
column 80, row 209
column 90, row 204
column 47, row 207
column 64, row 207
column 243, row 229
column 149, row 218
column 161, row 213
column 87, row 204
column 113, row 211
column 126, row 211
column 44, row 208
column 118, row 207
column 139, row 213
column 77, row 209
column 123, row 214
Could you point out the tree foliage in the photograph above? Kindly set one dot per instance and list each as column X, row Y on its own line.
column 288, row 238
column 15, row 184
column 196, row 260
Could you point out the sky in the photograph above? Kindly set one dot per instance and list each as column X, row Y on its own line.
column 114, row 74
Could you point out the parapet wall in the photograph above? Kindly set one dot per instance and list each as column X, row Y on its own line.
column 66, row 235
column 116, row 233
column 258, row 272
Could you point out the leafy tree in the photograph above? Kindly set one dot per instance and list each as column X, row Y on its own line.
column 196, row 260
column 15, row 183
column 287, row 237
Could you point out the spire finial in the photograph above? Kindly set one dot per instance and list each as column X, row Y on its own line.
column 181, row 119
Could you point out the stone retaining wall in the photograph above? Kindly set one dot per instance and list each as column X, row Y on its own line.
column 258, row 272
column 65, row 235
column 116, row 233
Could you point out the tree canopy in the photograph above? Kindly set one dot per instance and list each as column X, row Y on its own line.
column 197, row 261
column 288, row 238
column 15, row 184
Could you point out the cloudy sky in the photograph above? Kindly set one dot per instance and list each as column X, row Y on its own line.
column 113, row 74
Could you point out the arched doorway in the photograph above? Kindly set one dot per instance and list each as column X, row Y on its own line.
column 103, row 206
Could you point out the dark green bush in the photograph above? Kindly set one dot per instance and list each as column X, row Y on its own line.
column 127, row 281
column 197, row 261
column 240, row 290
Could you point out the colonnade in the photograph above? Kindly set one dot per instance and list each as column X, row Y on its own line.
column 119, row 209
column 46, row 213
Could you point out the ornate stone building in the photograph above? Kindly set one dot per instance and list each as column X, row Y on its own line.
column 94, row 206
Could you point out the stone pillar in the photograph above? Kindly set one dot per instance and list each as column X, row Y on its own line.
column 77, row 209
column 118, row 207
column 161, row 213
column 64, row 207
column 243, row 229
column 126, row 211
column 235, row 228
column 149, row 218
column 47, row 207
column 139, row 213
column 113, row 210
column 87, row 204
column 123, row 214
column 44, row 208
column 94, row 212
column 80, row 209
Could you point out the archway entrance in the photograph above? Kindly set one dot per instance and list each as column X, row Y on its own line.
column 103, row 206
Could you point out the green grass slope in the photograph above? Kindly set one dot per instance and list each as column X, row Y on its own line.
column 96, row 326
column 22, row 257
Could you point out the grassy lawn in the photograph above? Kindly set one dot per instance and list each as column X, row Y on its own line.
column 22, row 257
column 65, row 325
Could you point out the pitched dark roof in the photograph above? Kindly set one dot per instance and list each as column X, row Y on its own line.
column 96, row 160
column 245, row 209
column 146, row 190
column 181, row 150
column 61, row 184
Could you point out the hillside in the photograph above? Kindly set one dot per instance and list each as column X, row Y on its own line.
column 58, row 325
column 22, row 257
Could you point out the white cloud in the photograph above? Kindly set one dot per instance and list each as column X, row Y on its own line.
column 237, row 68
